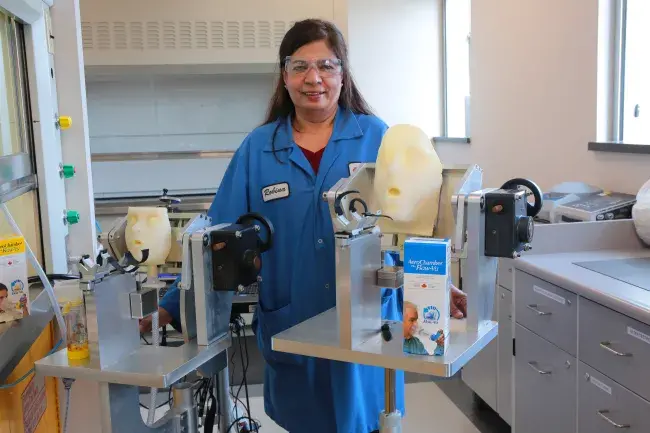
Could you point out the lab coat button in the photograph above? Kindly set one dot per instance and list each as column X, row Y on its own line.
column 320, row 241
column 327, row 286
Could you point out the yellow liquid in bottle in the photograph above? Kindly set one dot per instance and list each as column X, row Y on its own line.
column 78, row 350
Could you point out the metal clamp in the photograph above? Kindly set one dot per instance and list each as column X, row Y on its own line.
column 390, row 277
column 605, row 345
column 609, row 420
column 533, row 365
column 533, row 307
column 144, row 302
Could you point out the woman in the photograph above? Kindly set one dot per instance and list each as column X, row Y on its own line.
column 317, row 129
column 318, row 126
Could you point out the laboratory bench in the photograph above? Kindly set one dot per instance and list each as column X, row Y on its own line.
column 582, row 341
column 574, row 333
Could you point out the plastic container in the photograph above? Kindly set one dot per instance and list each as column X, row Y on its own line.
column 77, row 331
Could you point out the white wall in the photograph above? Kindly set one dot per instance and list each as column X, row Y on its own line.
column 395, row 58
column 144, row 113
column 137, row 112
column 534, row 97
column 534, row 85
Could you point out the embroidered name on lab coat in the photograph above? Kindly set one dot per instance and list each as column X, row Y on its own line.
column 275, row 192
column 352, row 167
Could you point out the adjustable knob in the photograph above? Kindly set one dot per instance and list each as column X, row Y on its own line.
column 525, row 229
column 66, row 171
column 64, row 122
column 168, row 200
column 71, row 217
column 252, row 260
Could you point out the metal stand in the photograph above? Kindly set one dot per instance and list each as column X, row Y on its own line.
column 120, row 364
column 225, row 414
column 350, row 332
column 390, row 420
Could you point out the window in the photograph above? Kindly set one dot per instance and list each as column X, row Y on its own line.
column 632, row 87
column 456, row 92
column 17, row 168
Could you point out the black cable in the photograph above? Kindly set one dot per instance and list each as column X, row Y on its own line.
column 211, row 413
column 245, row 379
column 144, row 339
column 232, row 371
column 240, row 328
column 241, row 418
column 157, row 407
column 205, row 385
column 219, row 414
column 241, row 357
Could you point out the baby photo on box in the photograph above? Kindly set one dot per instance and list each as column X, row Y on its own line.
column 14, row 296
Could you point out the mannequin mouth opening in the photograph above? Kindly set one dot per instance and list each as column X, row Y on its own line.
column 137, row 242
column 394, row 192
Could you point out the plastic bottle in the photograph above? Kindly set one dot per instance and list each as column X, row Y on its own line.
column 77, row 331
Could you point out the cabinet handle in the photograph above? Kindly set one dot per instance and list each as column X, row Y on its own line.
column 606, row 418
column 533, row 365
column 540, row 313
column 605, row 345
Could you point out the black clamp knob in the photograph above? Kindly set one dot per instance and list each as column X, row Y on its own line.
column 386, row 333
column 525, row 229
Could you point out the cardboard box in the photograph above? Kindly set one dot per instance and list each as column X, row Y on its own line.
column 14, row 292
column 427, row 279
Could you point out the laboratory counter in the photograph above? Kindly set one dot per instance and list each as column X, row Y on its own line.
column 581, row 345
column 578, row 273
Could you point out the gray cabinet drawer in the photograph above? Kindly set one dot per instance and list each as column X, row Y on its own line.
column 504, row 390
column 545, row 386
column 605, row 406
column 504, row 273
column 547, row 310
column 615, row 345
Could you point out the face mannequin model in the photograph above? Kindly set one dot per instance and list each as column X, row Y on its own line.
column 408, row 178
column 148, row 228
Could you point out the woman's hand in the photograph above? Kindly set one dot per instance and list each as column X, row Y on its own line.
column 164, row 319
column 458, row 303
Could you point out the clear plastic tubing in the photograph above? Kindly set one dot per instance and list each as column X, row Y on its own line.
column 46, row 283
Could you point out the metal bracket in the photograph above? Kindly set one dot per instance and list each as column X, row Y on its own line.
column 144, row 302
column 197, row 223
column 390, row 277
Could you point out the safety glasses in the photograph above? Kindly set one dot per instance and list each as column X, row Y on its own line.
column 324, row 67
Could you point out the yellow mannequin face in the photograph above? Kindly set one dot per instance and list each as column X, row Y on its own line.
column 148, row 228
column 408, row 174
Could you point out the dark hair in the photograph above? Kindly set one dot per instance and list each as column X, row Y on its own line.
column 3, row 287
column 303, row 33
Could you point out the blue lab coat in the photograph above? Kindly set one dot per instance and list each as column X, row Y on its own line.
column 298, row 273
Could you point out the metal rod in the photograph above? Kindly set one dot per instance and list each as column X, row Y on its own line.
column 185, row 406
column 225, row 414
column 156, row 156
column 389, row 390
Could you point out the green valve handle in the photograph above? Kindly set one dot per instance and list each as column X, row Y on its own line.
column 67, row 171
column 72, row 217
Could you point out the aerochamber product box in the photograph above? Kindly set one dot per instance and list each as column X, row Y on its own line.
column 427, row 291
column 14, row 295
